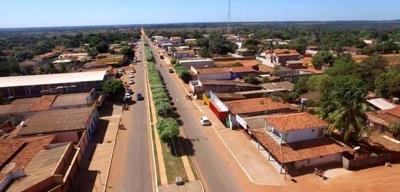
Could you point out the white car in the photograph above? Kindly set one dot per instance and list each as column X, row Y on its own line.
column 205, row 121
column 131, row 75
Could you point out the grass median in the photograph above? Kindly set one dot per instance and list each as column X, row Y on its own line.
column 166, row 127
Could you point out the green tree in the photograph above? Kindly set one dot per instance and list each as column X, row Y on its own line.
column 252, row 79
column 322, row 58
column 128, row 52
column 102, row 47
column 388, row 84
column 205, row 53
column 168, row 129
column 113, row 87
column 371, row 68
column 344, row 108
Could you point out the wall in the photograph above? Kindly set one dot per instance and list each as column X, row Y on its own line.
column 198, row 64
column 318, row 161
column 67, row 137
column 215, row 76
column 33, row 91
column 301, row 135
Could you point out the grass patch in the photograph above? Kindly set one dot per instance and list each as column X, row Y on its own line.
column 173, row 165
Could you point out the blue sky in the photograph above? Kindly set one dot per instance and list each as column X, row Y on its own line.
column 39, row 13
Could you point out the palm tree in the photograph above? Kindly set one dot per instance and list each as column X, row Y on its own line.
column 350, row 120
column 344, row 108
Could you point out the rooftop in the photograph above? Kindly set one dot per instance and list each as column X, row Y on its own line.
column 17, row 153
column 284, row 86
column 227, row 82
column 71, row 99
column 285, row 52
column 298, row 151
column 49, row 79
column 54, row 121
column 385, row 117
column 255, row 105
column 381, row 103
column 32, row 104
column 295, row 121
column 43, row 165
column 246, row 62
column 242, row 69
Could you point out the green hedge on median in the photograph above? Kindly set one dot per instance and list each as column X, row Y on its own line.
column 167, row 127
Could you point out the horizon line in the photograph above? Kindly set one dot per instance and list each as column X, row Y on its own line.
column 199, row 22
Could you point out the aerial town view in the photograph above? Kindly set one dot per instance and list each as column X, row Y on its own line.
column 200, row 96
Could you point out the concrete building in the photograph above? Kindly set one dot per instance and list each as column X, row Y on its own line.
column 184, row 54
column 254, row 107
column 222, row 73
column 283, row 86
column 66, row 124
column 21, row 109
column 37, row 85
column 281, row 57
column 198, row 87
column 197, row 63
column 296, row 141
column 381, row 120
column 37, row 164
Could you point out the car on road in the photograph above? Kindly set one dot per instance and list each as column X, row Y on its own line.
column 161, row 57
column 131, row 81
column 139, row 97
column 133, row 71
column 205, row 121
column 170, row 70
column 129, row 91
column 131, row 76
column 127, row 97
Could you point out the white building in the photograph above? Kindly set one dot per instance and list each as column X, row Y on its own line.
column 197, row 63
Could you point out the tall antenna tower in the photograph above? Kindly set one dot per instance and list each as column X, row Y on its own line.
column 229, row 16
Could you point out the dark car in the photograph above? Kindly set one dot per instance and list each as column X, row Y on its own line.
column 139, row 97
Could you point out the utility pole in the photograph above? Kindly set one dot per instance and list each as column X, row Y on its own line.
column 229, row 16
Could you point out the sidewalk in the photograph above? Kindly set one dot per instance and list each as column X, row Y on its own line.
column 98, row 157
column 253, row 163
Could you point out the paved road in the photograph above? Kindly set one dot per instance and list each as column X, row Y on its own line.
column 215, row 171
column 131, row 169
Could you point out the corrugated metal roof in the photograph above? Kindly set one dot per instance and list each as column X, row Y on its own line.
column 48, row 79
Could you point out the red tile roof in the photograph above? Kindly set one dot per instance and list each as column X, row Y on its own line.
column 385, row 117
column 295, row 121
column 22, row 153
column 255, row 105
column 298, row 151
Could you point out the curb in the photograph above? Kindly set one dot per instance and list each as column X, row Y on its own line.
column 184, row 134
column 112, row 152
column 219, row 136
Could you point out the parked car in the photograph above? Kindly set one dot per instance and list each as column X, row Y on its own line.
column 133, row 71
column 205, row 121
column 127, row 97
column 131, row 81
column 131, row 75
column 139, row 97
column 129, row 91
column 161, row 57
column 170, row 70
